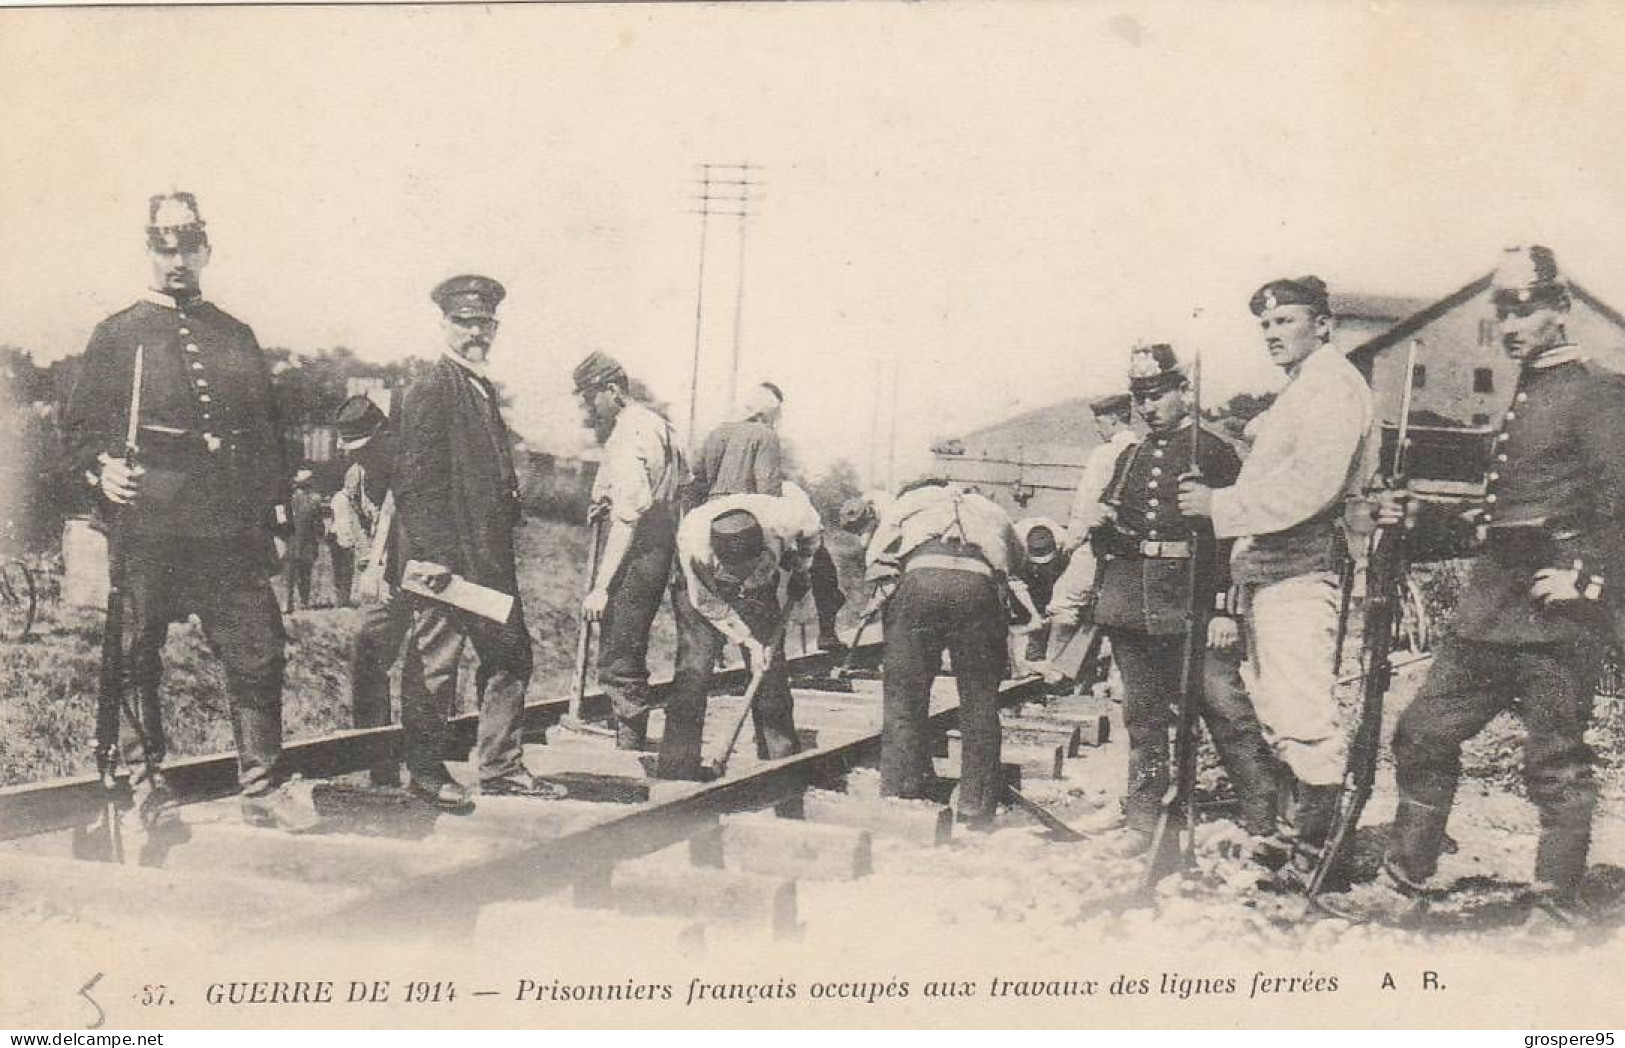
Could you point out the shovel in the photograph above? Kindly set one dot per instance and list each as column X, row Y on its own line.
column 720, row 766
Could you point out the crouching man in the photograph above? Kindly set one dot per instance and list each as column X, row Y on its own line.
column 950, row 556
column 745, row 562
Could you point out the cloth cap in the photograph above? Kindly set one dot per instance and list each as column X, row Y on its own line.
column 1528, row 274
column 1039, row 538
column 737, row 535
column 1154, row 369
column 469, row 296
column 174, row 224
column 1297, row 291
column 760, row 400
column 357, row 420
column 599, row 369
column 1111, row 404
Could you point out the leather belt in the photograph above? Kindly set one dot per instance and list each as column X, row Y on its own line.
column 1180, row 550
column 948, row 562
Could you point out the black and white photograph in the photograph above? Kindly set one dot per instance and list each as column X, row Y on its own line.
column 544, row 516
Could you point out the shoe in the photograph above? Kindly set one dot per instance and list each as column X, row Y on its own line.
column 1390, row 899
column 447, row 796
column 1271, row 852
column 632, row 734
column 831, row 643
column 586, row 728
column 159, row 798
column 523, row 784
column 974, row 823
column 1550, row 903
column 290, row 807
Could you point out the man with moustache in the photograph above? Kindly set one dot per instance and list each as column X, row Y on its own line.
column 190, row 512
column 457, row 497
column 1313, row 449
column 637, row 490
column 1540, row 606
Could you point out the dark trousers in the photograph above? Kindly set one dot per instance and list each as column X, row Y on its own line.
column 1469, row 684
column 296, row 577
column 932, row 610
column 167, row 578
column 826, row 591
column 378, row 640
column 635, row 594
column 343, row 558
column 434, row 647
column 698, row 645
column 1151, row 666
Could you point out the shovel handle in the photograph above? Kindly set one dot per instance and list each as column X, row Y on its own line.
column 578, row 689
column 758, row 675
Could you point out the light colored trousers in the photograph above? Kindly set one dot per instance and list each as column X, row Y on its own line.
column 1291, row 638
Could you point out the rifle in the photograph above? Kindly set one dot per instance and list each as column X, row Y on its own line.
column 1384, row 571
column 110, row 698
column 1179, row 798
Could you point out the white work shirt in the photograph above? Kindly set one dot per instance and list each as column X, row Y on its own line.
column 1097, row 473
column 944, row 511
column 642, row 465
column 1312, row 447
column 790, row 526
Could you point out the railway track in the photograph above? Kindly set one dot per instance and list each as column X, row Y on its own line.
column 684, row 856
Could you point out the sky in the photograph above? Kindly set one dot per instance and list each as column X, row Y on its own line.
column 991, row 201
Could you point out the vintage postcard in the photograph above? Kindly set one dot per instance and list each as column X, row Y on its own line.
column 835, row 515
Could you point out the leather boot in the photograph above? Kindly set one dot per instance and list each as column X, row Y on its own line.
column 632, row 733
column 1316, row 811
column 1416, row 839
column 1560, row 862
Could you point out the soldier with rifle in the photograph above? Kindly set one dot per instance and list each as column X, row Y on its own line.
column 1540, row 605
column 1286, row 510
column 173, row 422
column 1160, row 596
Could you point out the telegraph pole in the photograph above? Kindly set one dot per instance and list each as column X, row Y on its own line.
column 725, row 191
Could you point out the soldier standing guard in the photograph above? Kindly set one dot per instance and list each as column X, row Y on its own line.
column 1144, row 547
column 1537, row 609
column 458, row 503
column 1313, row 450
column 190, row 519
column 637, row 490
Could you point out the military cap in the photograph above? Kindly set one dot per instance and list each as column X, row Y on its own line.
column 1529, row 275
column 357, row 420
column 1298, row 291
column 469, row 296
column 174, row 224
column 599, row 369
column 1111, row 404
column 736, row 535
column 1153, row 369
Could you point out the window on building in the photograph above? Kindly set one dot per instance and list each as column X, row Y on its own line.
column 1483, row 380
column 1419, row 376
column 1481, row 420
column 1486, row 332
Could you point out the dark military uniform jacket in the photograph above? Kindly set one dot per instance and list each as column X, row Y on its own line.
column 1555, row 499
column 209, row 438
column 456, row 493
column 1145, row 552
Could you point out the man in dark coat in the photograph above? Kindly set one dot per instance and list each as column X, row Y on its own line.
column 1537, row 612
column 190, row 513
column 458, row 501
column 1143, row 600
column 309, row 516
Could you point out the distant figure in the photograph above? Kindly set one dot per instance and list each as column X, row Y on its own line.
column 1041, row 537
column 309, row 524
column 341, row 546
